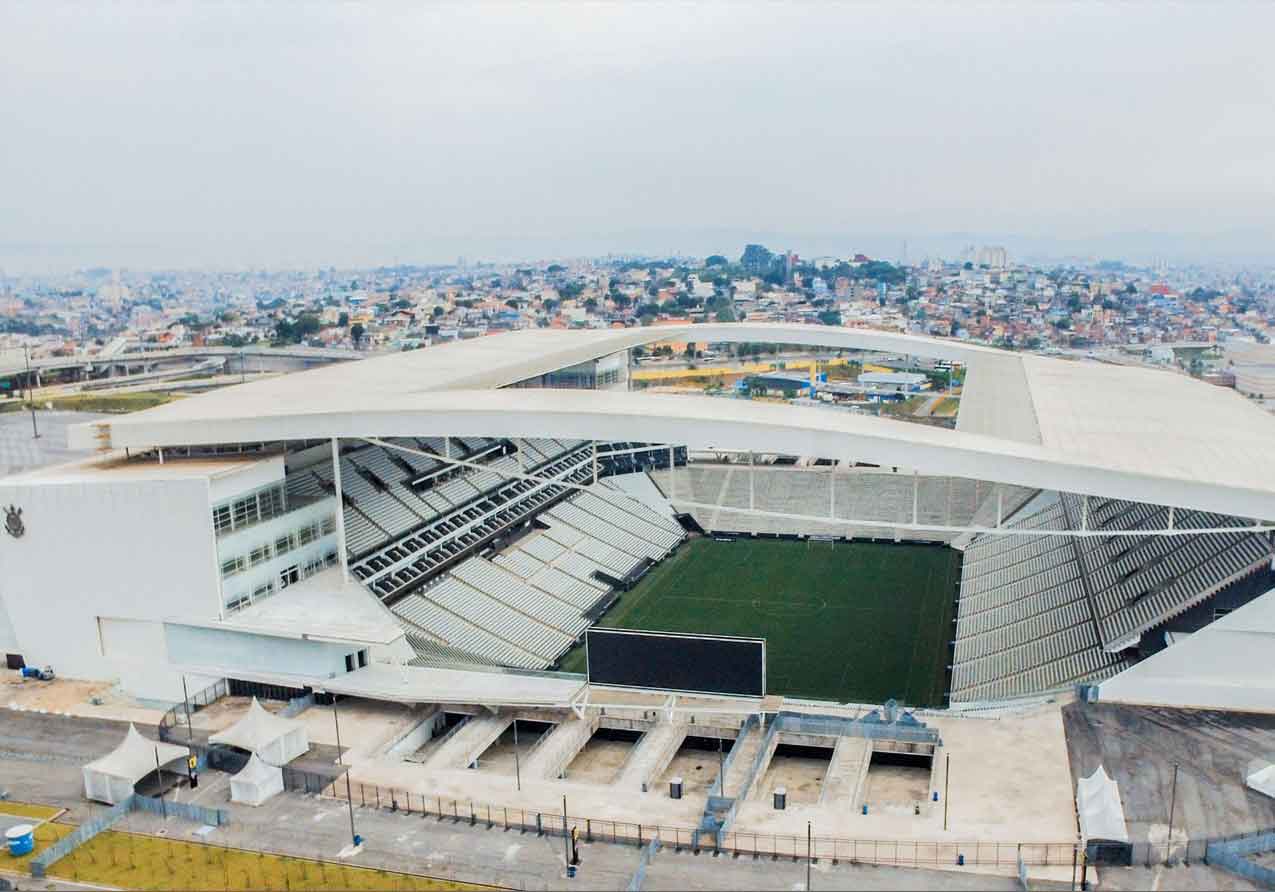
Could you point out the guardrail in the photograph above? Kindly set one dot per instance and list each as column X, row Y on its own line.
column 177, row 713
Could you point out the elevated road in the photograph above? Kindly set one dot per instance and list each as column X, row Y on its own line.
column 12, row 363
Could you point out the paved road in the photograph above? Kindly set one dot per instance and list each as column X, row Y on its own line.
column 41, row 756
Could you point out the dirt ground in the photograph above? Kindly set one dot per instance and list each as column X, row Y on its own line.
column 802, row 776
column 225, row 712
column 499, row 757
column 696, row 768
column 897, row 784
column 59, row 695
column 600, row 761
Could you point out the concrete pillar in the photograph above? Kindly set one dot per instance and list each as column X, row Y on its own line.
column 340, row 511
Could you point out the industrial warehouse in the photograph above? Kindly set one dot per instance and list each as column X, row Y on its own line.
column 517, row 579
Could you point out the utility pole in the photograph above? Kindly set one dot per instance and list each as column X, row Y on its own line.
column 190, row 739
column 809, row 852
column 35, row 431
column 566, row 836
column 349, row 792
column 517, row 767
column 947, row 776
column 1173, row 801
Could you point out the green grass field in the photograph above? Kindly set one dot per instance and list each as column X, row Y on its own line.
column 847, row 621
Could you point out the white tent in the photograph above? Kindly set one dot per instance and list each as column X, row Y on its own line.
column 276, row 740
column 1261, row 777
column 256, row 783
column 111, row 779
column 1098, row 804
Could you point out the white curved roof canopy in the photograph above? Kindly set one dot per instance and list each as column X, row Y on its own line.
column 1115, row 431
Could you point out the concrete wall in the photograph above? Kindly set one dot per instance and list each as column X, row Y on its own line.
column 126, row 550
column 198, row 646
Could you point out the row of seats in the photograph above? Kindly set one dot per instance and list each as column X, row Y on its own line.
column 1024, row 623
column 409, row 561
column 533, row 598
column 1038, row 612
column 1140, row 583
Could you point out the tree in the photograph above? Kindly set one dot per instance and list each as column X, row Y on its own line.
column 690, row 350
column 356, row 333
column 343, row 320
column 716, row 260
column 436, row 312
column 830, row 317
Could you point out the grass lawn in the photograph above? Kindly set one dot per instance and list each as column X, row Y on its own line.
column 129, row 401
column 845, row 621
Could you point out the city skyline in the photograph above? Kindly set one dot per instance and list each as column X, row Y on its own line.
column 234, row 137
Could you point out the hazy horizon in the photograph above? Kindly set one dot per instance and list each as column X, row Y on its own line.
column 285, row 136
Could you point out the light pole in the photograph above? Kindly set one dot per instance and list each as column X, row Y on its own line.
column 809, row 852
column 517, row 767
column 35, row 431
column 1173, row 801
column 349, row 793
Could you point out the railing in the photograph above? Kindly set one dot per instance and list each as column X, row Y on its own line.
column 644, row 861
column 135, row 802
column 176, row 715
column 1233, row 855
column 900, row 853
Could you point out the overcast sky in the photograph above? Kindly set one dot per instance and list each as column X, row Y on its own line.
column 281, row 134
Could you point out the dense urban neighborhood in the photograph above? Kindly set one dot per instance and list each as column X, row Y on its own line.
column 985, row 298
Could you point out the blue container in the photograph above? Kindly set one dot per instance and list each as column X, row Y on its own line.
column 21, row 840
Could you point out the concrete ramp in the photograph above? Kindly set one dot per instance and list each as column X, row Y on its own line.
column 651, row 756
column 742, row 756
column 843, row 783
column 554, row 751
column 464, row 745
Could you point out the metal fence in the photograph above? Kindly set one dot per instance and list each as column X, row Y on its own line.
column 189, row 811
column 1233, row 855
column 78, row 837
column 900, row 853
column 176, row 715
column 644, row 861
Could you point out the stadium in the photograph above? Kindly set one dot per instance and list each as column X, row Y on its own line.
column 832, row 600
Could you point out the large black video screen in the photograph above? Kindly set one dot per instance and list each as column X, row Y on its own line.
column 700, row 664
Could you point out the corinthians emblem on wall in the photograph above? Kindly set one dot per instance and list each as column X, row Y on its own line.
column 13, row 524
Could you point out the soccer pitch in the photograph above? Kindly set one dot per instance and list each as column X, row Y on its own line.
column 846, row 621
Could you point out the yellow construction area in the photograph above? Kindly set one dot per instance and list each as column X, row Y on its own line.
column 138, row 861
column 727, row 373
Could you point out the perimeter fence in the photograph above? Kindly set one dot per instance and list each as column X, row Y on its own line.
column 796, row 847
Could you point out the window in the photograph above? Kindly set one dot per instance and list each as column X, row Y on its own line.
column 283, row 545
column 307, row 534
column 221, row 519
column 362, row 658
column 349, row 662
column 289, row 576
column 231, row 567
column 259, row 555
column 329, row 526
column 270, row 502
column 245, row 512
column 265, row 590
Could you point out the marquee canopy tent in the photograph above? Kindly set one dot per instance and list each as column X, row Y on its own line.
column 112, row 778
column 256, row 783
column 276, row 740
column 1098, row 804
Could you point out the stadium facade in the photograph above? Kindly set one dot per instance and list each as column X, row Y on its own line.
column 441, row 525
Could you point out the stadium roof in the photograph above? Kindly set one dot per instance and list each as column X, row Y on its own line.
column 1085, row 427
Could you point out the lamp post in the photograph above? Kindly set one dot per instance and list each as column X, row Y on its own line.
column 349, row 792
column 35, row 431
